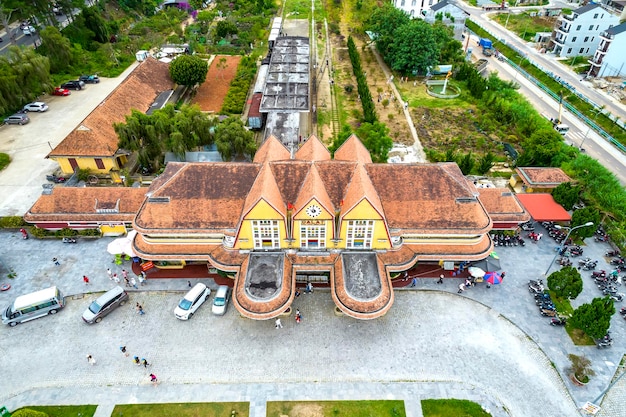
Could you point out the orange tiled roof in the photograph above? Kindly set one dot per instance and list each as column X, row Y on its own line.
column 542, row 177
column 428, row 198
column 83, row 204
column 271, row 150
column 502, row 205
column 313, row 150
column 353, row 150
column 360, row 188
column 313, row 187
column 265, row 188
column 95, row 135
column 336, row 176
column 289, row 177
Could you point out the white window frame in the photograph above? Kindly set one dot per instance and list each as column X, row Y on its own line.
column 266, row 234
column 359, row 234
column 313, row 233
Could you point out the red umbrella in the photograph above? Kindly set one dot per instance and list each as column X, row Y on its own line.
column 493, row 278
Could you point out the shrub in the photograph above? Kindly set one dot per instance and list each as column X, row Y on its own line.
column 39, row 232
column 27, row 412
column 9, row 222
column 235, row 99
column 90, row 232
column 65, row 232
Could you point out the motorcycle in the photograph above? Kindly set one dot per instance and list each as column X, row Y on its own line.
column 69, row 240
column 527, row 227
column 548, row 313
column 604, row 344
column 558, row 321
column 612, row 253
column 617, row 261
column 24, row 233
column 601, row 238
column 622, row 311
column 590, row 266
column 617, row 297
column 55, row 179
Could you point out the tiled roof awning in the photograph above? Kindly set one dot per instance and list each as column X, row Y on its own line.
column 543, row 208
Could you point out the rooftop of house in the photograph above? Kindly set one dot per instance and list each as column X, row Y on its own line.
column 542, row 177
column 95, row 135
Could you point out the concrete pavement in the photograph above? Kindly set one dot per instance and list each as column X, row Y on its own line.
column 487, row 345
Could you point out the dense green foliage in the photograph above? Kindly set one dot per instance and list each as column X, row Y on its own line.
column 10, row 222
column 4, row 160
column 164, row 130
column 582, row 216
column 566, row 283
column 27, row 412
column 369, row 110
column 374, row 136
column 233, row 140
column 566, row 195
column 188, row 70
column 595, row 318
column 235, row 99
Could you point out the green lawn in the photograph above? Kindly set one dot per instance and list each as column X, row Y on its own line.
column 4, row 160
column 182, row 410
column 382, row 408
column 525, row 26
column 66, row 410
column 457, row 408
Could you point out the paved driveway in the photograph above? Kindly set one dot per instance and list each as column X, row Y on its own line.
column 28, row 145
column 489, row 345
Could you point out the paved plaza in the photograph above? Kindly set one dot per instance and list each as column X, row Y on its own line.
column 487, row 345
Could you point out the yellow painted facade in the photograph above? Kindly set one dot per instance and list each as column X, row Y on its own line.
column 313, row 232
column 109, row 164
column 364, row 216
column 265, row 216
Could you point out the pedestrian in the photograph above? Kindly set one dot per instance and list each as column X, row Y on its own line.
column 125, row 273
column 85, row 279
column 309, row 288
column 413, row 282
column 127, row 281
column 154, row 379
column 90, row 360
column 133, row 282
column 116, row 278
column 145, row 278
column 440, row 280
column 144, row 362
column 298, row 316
column 56, row 261
column 142, row 280
column 461, row 288
column 123, row 350
column 279, row 325
column 110, row 274
column 136, row 360
column 139, row 309
column 189, row 283
column 468, row 283
column 297, row 293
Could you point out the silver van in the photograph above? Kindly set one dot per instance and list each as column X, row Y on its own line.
column 104, row 304
column 220, row 301
column 34, row 305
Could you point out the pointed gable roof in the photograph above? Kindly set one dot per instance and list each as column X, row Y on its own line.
column 353, row 150
column 264, row 188
column 289, row 176
column 336, row 176
column 313, row 187
column 271, row 150
column 361, row 187
column 313, row 150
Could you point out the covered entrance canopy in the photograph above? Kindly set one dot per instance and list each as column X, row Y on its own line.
column 543, row 208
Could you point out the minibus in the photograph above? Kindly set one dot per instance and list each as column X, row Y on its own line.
column 32, row 306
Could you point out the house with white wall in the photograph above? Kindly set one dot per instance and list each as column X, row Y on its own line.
column 609, row 59
column 415, row 8
column 579, row 33
column 450, row 15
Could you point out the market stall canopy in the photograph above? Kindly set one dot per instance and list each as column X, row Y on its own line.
column 543, row 208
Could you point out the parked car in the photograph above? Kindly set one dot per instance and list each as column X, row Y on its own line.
column 89, row 79
column 28, row 30
column 61, row 92
column 192, row 301
column 17, row 119
column 39, row 106
column 24, row 23
column 220, row 301
column 73, row 85
column 104, row 304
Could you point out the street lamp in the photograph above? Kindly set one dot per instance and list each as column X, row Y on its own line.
column 558, row 250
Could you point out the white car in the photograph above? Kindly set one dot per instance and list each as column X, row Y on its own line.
column 192, row 301
column 39, row 106
column 220, row 301
column 28, row 30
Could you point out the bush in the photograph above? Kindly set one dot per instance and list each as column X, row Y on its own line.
column 39, row 232
column 4, row 160
column 65, row 232
column 10, row 222
column 27, row 412
column 90, row 232
column 235, row 99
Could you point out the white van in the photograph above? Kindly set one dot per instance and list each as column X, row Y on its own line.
column 34, row 305
column 220, row 301
column 192, row 301
column 562, row 128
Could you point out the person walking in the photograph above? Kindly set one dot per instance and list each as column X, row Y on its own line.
column 136, row 360
column 141, row 279
column 125, row 273
column 116, row 278
column 461, row 288
column 127, row 281
column 308, row 288
column 414, row 282
column 110, row 274
column 154, row 380
column 90, row 360
column 85, row 279
column 189, row 283
column 298, row 316
column 144, row 362
column 279, row 325
column 440, row 280
column 123, row 350
column 133, row 282
column 140, row 309
column 56, row 261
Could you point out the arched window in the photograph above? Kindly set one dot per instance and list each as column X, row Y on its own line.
column 402, row 4
column 413, row 2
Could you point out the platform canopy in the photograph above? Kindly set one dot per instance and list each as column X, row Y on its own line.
column 543, row 208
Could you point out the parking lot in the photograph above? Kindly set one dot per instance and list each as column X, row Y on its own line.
column 28, row 145
column 488, row 345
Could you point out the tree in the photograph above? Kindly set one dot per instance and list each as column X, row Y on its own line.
column 96, row 23
column 566, row 195
column 594, row 319
column 413, row 49
column 225, row 28
column 57, row 48
column 139, row 135
column 466, row 164
column 233, row 140
column 383, row 22
column 540, row 148
column 188, row 70
column 582, row 216
column 485, row 163
column 375, row 137
column 566, row 283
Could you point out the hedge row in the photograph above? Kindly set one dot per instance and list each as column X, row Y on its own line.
column 369, row 111
column 235, row 99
